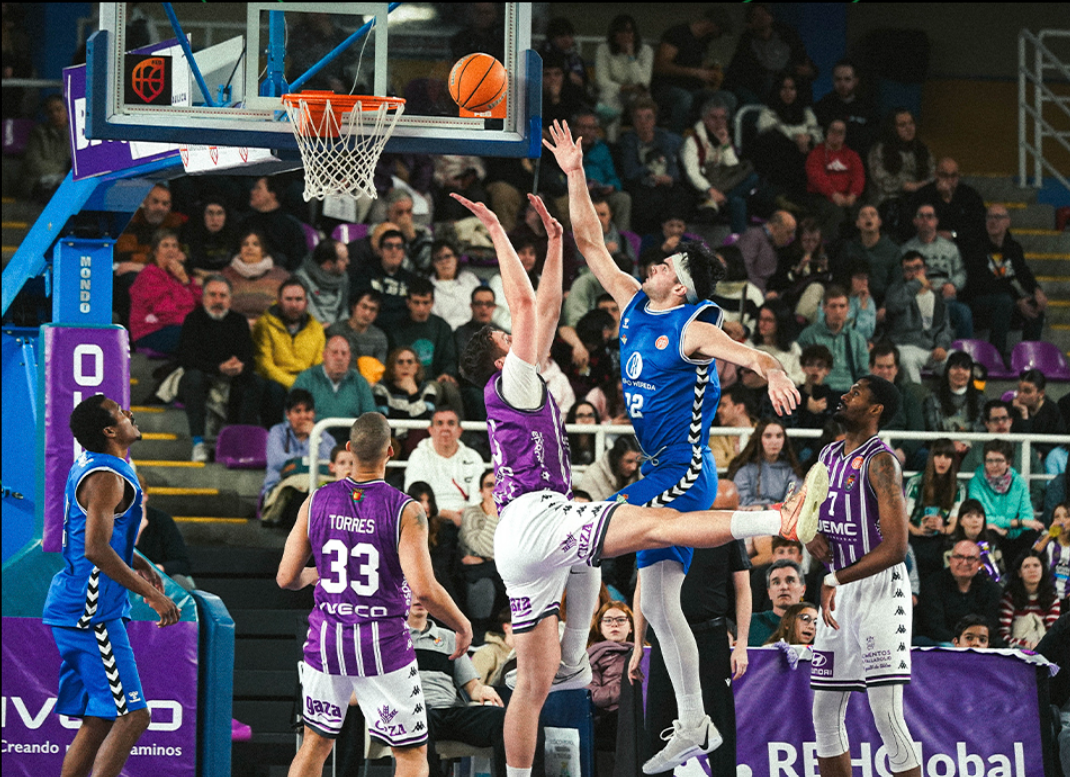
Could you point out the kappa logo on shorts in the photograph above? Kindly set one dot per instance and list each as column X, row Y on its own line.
column 822, row 664
column 520, row 606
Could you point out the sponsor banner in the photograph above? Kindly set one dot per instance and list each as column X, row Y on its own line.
column 76, row 363
column 36, row 738
column 205, row 159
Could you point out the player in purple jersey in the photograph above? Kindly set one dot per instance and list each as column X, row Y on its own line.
column 670, row 338
column 544, row 541
column 98, row 660
column 368, row 540
column 863, row 640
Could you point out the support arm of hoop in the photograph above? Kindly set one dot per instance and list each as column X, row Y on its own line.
column 330, row 56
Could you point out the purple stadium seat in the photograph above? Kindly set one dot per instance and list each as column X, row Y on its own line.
column 240, row 732
column 985, row 353
column 312, row 235
column 1046, row 357
column 1008, row 396
column 634, row 240
column 16, row 136
column 347, row 233
column 240, row 446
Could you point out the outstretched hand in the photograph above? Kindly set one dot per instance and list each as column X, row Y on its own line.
column 782, row 392
column 568, row 152
column 486, row 216
column 552, row 225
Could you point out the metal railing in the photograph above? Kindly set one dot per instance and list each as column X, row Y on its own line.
column 603, row 431
column 1035, row 61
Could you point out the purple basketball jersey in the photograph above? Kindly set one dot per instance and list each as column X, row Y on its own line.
column 529, row 447
column 357, row 626
column 850, row 516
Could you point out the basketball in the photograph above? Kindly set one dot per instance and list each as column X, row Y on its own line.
column 477, row 82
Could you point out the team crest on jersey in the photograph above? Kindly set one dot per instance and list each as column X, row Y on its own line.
column 661, row 343
column 622, row 499
column 357, row 495
column 634, row 367
column 850, row 484
column 856, row 462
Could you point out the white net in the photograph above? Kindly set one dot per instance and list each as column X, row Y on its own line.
column 340, row 149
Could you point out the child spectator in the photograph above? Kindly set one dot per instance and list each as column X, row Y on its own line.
column 972, row 632
column 343, row 463
column 797, row 627
column 816, row 406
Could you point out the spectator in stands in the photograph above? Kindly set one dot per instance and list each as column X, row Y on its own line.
column 1004, row 494
column 1001, row 287
column 956, row 405
column 836, row 177
column 162, row 296
column 418, row 239
column 785, row 587
column 971, row 632
column 766, row 468
column 1029, row 606
column 452, row 289
column 735, row 295
column 215, row 348
column 876, row 248
column 428, row 335
column 683, row 77
column 602, row 179
column 159, row 539
column 288, row 448
column 582, row 446
column 759, row 247
column 1057, row 553
column 959, row 207
column 210, row 239
column 324, row 274
column 594, row 330
column 48, row 151
column 609, row 648
column 254, row 276
column 765, row 49
column 403, row 394
column 787, row 132
column 663, row 243
column 803, row 272
column 281, row 230
column 343, row 463
column 846, row 102
column 899, row 164
column 951, row 594
column 482, row 303
column 613, row 470
column 944, row 267
column 485, row 31
column 713, row 167
column 650, row 162
column 1034, row 414
column 623, row 67
column 287, row 341
column 775, row 334
column 917, row 319
column 933, row 499
column 850, row 352
column 735, row 410
column 484, row 588
column 973, row 526
column 797, row 627
column 497, row 654
column 818, row 400
column 461, row 174
column 387, row 276
column 526, row 245
column 560, row 42
column 998, row 417
column 367, row 342
column 450, row 467
column 884, row 363
column 311, row 38
column 443, row 679
column 339, row 390
column 133, row 249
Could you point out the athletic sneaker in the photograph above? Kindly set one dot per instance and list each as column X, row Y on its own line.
column 684, row 744
column 200, row 452
column 799, row 512
column 571, row 677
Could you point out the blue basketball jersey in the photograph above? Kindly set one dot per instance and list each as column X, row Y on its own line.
column 671, row 398
column 80, row 594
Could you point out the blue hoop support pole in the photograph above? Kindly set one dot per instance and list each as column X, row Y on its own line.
column 332, row 55
column 170, row 11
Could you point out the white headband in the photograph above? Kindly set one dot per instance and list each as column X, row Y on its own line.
column 680, row 265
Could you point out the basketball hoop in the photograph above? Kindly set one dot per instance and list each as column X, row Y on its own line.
column 341, row 137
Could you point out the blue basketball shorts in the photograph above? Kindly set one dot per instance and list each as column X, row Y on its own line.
column 97, row 676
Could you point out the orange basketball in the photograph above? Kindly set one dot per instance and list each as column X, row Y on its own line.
column 478, row 82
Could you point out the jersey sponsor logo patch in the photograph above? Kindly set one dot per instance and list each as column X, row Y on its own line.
column 822, row 664
column 357, row 495
column 634, row 367
column 520, row 606
column 856, row 462
column 323, row 710
column 661, row 343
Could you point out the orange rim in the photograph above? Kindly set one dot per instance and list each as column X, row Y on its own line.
column 318, row 100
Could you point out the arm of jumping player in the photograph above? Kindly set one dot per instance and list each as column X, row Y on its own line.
column 420, row 575
column 887, row 481
column 519, row 294
column 586, row 228
column 294, row 574
column 548, row 297
column 710, row 342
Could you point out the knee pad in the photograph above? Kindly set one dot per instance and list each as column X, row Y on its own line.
column 830, row 710
column 886, row 703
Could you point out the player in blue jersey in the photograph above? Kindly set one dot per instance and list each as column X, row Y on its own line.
column 670, row 337
column 545, row 543
column 863, row 638
column 87, row 604
column 368, row 540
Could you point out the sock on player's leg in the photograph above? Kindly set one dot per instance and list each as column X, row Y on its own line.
column 661, row 607
column 582, row 588
column 757, row 523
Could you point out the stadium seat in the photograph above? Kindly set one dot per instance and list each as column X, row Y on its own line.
column 1008, row 396
column 240, row 732
column 1046, row 357
column 985, row 353
column 241, row 446
column 312, row 235
column 347, row 233
column 16, row 136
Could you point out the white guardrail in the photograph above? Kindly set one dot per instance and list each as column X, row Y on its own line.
column 602, row 431
column 1045, row 66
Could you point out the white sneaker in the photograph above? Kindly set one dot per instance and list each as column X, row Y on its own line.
column 200, row 452
column 800, row 511
column 571, row 677
column 684, row 744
